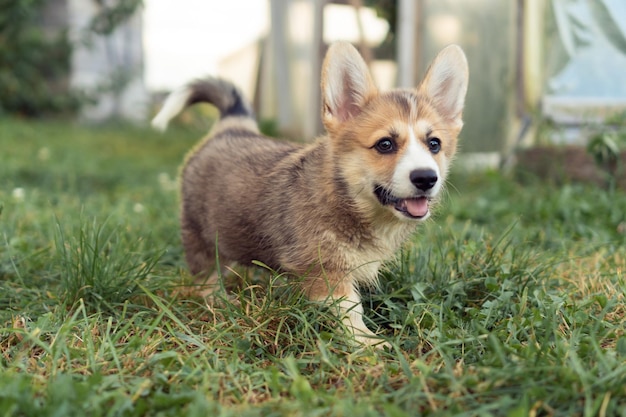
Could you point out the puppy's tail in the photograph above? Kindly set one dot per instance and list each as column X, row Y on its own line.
column 221, row 93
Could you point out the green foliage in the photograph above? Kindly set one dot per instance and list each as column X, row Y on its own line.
column 35, row 60
column 34, row 65
column 112, row 15
column 607, row 148
column 510, row 302
column 387, row 10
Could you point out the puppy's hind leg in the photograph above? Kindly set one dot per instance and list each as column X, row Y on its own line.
column 201, row 260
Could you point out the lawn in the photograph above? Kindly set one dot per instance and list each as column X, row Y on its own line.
column 510, row 303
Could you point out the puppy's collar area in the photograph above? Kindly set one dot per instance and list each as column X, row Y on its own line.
column 412, row 207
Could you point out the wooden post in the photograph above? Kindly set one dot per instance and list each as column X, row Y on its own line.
column 278, row 10
column 312, row 121
column 405, row 46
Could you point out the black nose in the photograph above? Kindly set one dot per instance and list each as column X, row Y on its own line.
column 423, row 179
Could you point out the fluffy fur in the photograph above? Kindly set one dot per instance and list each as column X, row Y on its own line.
column 333, row 211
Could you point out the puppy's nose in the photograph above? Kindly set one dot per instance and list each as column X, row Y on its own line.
column 423, row 179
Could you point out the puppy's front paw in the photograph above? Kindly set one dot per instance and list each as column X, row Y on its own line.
column 369, row 338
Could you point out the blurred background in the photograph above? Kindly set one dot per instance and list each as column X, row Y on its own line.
column 547, row 77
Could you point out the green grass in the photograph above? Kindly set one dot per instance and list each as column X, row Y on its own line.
column 510, row 303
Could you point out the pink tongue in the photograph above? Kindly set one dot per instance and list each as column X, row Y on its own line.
column 417, row 207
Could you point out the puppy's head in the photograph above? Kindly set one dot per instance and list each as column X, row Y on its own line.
column 393, row 149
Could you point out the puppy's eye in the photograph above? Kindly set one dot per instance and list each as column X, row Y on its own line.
column 434, row 145
column 385, row 145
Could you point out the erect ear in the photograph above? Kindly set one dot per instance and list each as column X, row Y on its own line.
column 346, row 85
column 446, row 83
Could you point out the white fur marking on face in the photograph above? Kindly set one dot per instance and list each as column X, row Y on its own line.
column 416, row 156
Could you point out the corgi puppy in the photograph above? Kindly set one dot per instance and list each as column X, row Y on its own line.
column 333, row 211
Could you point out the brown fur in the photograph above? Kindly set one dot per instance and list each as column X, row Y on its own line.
column 311, row 210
